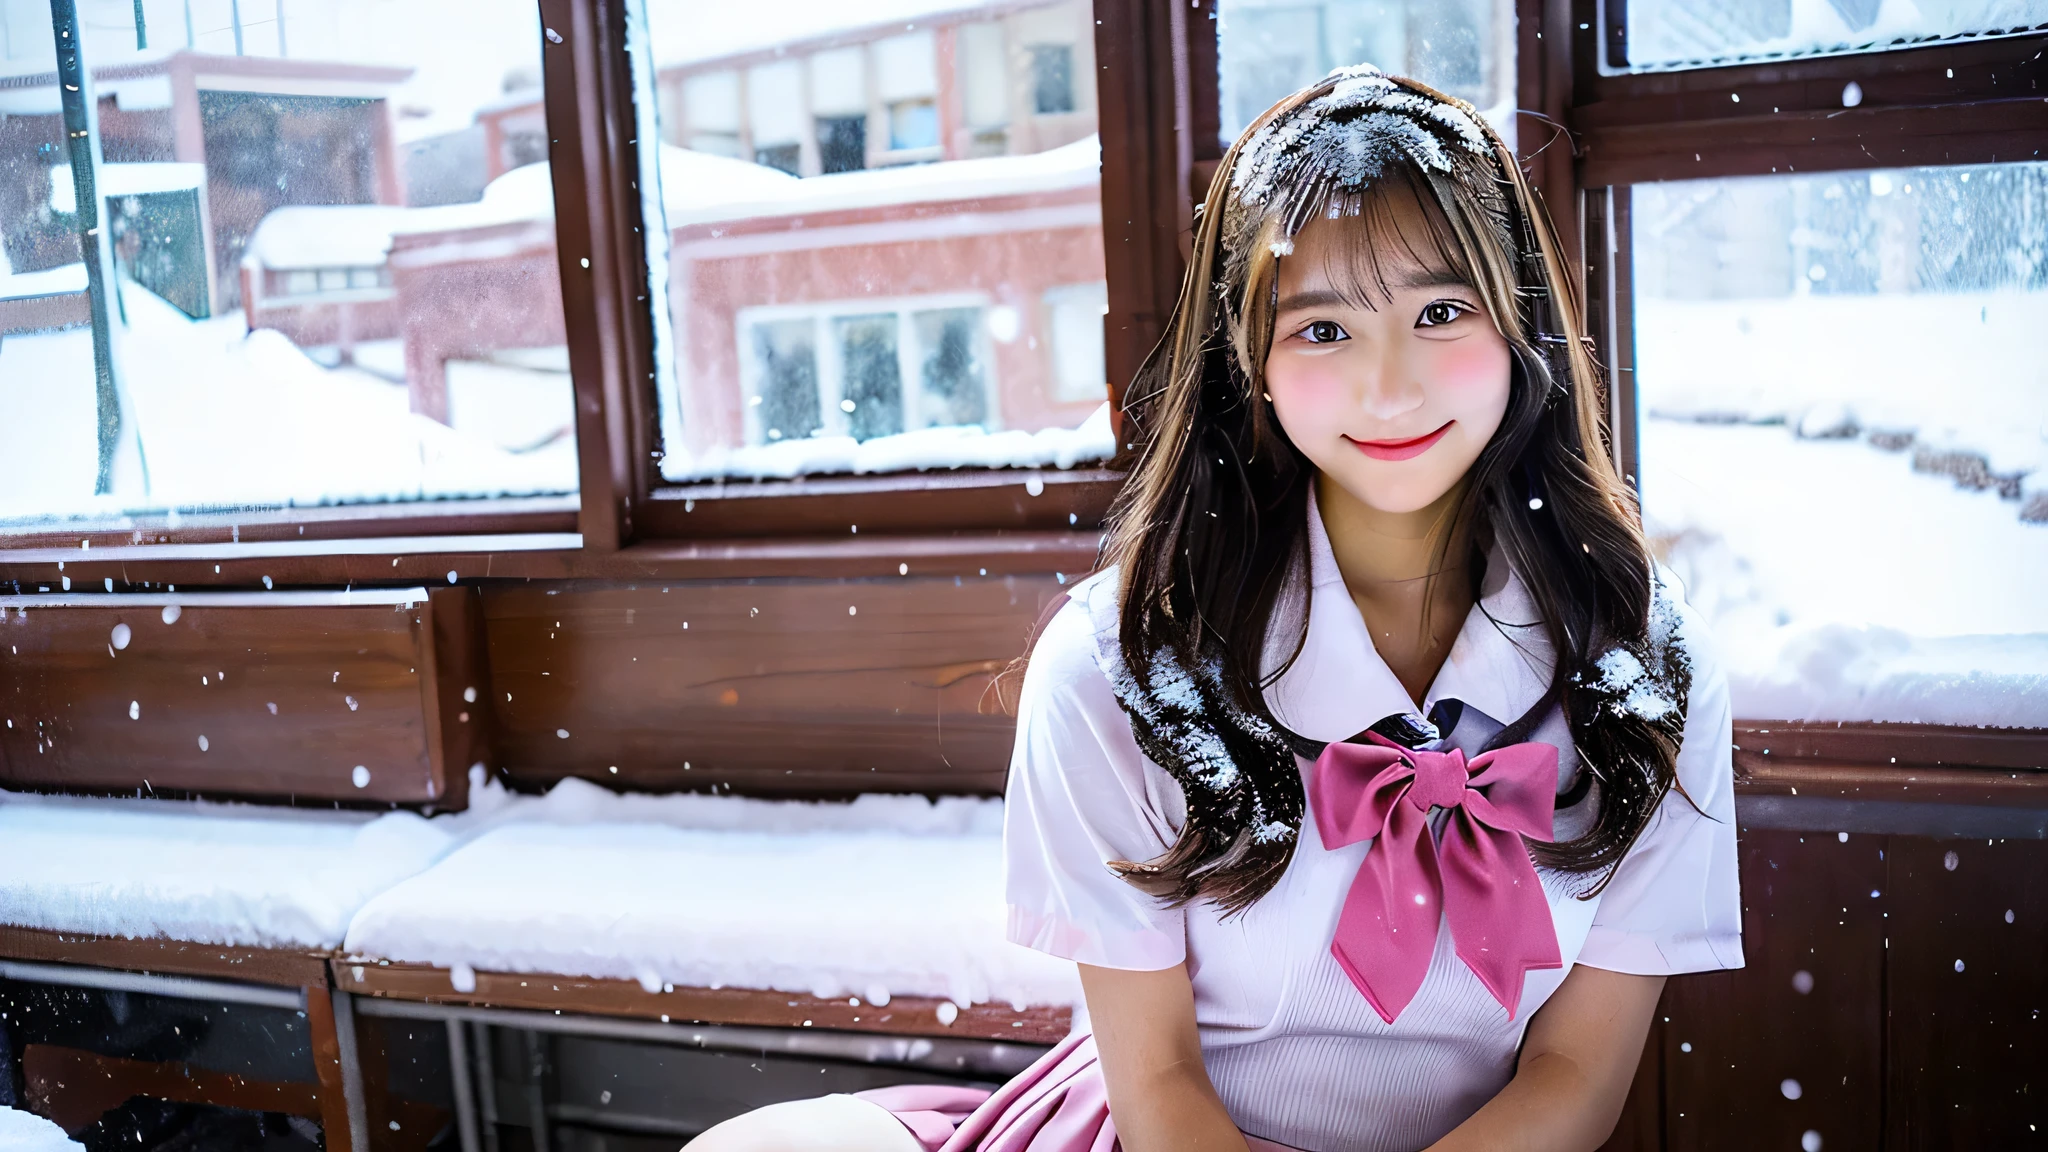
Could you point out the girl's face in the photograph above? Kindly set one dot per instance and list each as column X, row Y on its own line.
column 1391, row 393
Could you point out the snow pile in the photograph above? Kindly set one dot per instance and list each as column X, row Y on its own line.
column 1941, row 373
column 957, row 446
column 47, row 282
column 890, row 895
column 229, row 416
column 204, row 872
column 27, row 1132
column 1843, row 585
column 325, row 236
column 1076, row 165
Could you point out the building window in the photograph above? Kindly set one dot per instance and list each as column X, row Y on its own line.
column 913, row 124
column 842, row 143
column 711, row 113
column 863, row 373
column 1052, row 78
column 786, row 157
column 1074, row 313
column 785, row 396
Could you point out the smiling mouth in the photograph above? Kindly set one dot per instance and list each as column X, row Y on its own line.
column 1401, row 449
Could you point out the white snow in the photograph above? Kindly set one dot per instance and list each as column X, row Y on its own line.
column 204, row 872
column 326, row 235
column 889, row 894
column 1666, row 33
column 1076, row 165
column 47, row 282
column 957, row 446
column 27, row 1132
column 228, row 416
column 1843, row 585
column 1963, row 371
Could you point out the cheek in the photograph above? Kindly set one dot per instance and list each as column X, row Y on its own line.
column 1306, row 391
column 1470, row 377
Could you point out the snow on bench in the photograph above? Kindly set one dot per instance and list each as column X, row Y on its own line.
column 885, row 913
column 27, row 1132
column 205, row 873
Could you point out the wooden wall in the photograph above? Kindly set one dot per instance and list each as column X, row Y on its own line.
column 1891, row 1001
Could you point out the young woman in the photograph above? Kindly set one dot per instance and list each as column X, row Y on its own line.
column 1380, row 781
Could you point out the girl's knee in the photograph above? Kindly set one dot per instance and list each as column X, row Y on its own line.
column 823, row 1124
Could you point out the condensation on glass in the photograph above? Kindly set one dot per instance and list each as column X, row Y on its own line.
column 1270, row 48
column 1660, row 34
column 879, row 245
column 332, row 276
column 1843, row 387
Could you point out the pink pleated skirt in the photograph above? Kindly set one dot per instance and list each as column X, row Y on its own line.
column 1056, row 1105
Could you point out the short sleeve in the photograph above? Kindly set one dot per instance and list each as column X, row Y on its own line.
column 1675, row 905
column 1080, row 795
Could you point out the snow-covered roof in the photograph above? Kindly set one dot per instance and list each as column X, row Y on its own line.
column 1077, row 165
column 47, row 282
column 698, row 32
column 887, row 896
column 324, row 236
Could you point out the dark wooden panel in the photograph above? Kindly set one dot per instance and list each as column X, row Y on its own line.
column 1734, row 1039
column 175, row 957
column 898, row 504
column 281, row 695
column 1967, row 993
column 1910, row 745
column 1760, row 775
column 772, row 688
column 374, row 563
column 902, row 1016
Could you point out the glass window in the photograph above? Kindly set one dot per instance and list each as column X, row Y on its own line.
column 1270, row 48
column 257, row 254
column 881, row 304
column 1692, row 33
column 1843, row 389
column 1052, row 78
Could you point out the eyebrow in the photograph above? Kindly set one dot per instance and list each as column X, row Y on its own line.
column 1324, row 297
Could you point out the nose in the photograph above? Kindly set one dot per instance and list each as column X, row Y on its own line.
column 1386, row 386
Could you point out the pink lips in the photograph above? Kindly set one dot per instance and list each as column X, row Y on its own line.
column 1401, row 449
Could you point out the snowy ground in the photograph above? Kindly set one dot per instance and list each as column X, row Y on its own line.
column 1843, row 583
column 27, row 1132
column 231, row 417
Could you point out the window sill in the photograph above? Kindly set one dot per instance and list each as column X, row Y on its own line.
column 903, row 503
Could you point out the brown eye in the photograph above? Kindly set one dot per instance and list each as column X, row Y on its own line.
column 1324, row 332
column 1440, row 312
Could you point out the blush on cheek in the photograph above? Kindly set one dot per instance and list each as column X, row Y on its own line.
column 1471, row 366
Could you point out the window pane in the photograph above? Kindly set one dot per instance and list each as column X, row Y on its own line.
column 1843, row 381
column 1270, row 48
column 1694, row 33
column 330, row 272
column 863, row 213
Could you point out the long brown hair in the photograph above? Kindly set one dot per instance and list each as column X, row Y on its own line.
column 1211, row 526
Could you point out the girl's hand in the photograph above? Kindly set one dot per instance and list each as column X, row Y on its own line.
column 1577, row 1063
column 1159, row 1091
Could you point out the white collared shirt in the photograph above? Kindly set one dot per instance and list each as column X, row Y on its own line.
column 1295, row 1051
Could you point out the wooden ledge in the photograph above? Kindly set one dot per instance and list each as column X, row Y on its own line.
column 2009, row 788
column 159, row 955
column 1903, row 745
column 904, row 1015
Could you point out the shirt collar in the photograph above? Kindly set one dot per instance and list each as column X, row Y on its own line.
column 1338, row 685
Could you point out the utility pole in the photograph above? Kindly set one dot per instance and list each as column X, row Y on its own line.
column 82, row 137
column 141, row 29
column 190, row 41
column 280, row 30
column 235, row 14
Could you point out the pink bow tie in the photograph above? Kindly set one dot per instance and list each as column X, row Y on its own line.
column 1478, row 877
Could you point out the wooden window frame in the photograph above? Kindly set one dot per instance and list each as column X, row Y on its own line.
column 625, row 520
column 1972, row 100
